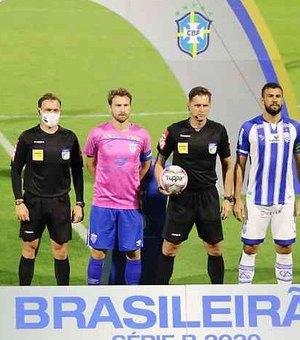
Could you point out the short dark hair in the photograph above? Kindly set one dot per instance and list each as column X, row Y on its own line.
column 120, row 91
column 199, row 91
column 270, row 86
column 48, row 96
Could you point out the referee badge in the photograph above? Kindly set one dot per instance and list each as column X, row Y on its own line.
column 37, row 154
column 65, row 154
column 212, row 148
column 182, row 148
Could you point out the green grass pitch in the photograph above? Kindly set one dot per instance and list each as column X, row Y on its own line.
column 80, row 50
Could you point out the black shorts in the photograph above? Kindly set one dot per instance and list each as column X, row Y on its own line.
column 201, row 208
column 55, row 213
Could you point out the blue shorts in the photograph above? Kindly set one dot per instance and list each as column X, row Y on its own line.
column 115, row 228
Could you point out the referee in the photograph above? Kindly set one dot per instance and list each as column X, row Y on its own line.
column 195, row 143
column 47, row 151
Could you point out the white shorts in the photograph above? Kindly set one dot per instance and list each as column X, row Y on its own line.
column 281, row 218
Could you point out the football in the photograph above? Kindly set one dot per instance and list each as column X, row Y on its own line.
column 173, row 179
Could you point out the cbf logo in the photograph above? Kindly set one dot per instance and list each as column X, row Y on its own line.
column 193, row 31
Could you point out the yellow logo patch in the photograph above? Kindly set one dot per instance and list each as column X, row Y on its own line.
column 37, row 155
column 182, row 148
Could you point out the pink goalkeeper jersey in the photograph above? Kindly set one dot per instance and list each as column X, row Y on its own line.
column 118, row 154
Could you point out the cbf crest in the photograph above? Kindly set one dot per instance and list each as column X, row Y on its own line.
column 193, row 31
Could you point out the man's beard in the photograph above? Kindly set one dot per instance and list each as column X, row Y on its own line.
column 273, row 112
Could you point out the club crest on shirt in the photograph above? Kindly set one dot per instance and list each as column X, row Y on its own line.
column 93, row 237
column 132, row 147
column 212, row 148
column 65, row 154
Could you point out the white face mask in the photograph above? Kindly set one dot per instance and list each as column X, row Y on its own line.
column 51, row 119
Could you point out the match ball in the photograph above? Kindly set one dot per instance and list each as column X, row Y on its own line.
column 173, row 179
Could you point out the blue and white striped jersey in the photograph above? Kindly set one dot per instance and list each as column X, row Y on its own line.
column 270, row 148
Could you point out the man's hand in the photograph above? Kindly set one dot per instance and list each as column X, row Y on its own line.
column 225, row 209
column 22, row 212
column 239, row 210
column 167, row 193
column 77, row 214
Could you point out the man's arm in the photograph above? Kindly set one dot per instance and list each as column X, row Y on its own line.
column 297, row 160
column 91, row 165
column 77, row 177
column 144, row 168
column 227, row 174
column 239, row 174
column 158, row 169
column 17, row 164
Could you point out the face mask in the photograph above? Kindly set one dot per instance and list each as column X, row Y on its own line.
column 50, row 119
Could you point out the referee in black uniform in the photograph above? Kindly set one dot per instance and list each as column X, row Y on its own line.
column 47, row 151
column 195, row 144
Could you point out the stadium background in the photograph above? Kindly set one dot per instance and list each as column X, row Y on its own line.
column 58, row 46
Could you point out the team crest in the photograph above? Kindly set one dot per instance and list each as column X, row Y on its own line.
column 212, row 148
column 193, row 31
column 65, row 154
column 132, row 147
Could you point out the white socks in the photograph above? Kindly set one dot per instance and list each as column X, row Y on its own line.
column 246, row 268
column 284, row 268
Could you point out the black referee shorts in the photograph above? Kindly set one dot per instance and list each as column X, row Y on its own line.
column 201, row 208
column 55, row 213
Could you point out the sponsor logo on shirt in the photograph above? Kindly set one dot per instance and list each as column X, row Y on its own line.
column 65, row 154
column 138, row 243
column 121, row 161
column 93, row 237
column 38, row 141
column 176, row 235
column 187, row 136
column 274, row 138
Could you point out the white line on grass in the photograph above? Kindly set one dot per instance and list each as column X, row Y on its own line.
column 6, row 144
column 78, row 227
column 93, row 115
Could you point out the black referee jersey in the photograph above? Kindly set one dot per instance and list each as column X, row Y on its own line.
column 47, row 159
column 196, row 151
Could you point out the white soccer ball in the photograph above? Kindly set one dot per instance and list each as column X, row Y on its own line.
column 173, row 179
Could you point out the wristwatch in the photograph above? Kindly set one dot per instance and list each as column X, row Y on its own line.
column 19, row 201
column 81, row 204
column 230, row 199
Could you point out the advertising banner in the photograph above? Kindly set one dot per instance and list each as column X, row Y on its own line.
column 202, row 312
